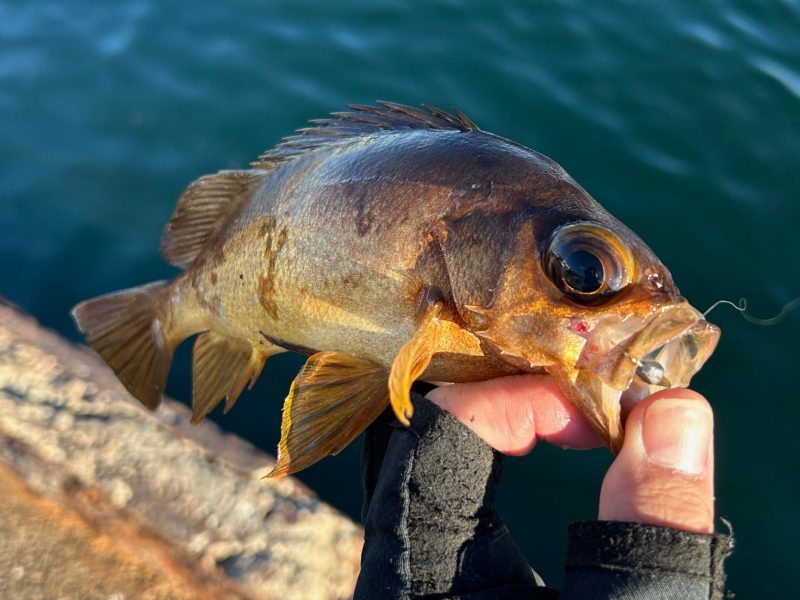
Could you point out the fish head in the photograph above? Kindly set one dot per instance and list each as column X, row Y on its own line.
column 574, row 292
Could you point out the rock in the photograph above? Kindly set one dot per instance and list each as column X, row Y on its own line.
column 100, row 498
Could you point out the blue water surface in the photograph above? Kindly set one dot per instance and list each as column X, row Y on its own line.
column 682, row 118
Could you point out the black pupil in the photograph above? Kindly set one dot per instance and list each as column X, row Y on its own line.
column 583, row 272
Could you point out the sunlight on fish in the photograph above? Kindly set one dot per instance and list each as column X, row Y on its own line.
column 391, row 244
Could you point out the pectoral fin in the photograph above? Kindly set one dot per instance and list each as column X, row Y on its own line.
column 332, row 400
column 221, row 367
column 412, row 360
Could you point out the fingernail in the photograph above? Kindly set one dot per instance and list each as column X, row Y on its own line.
column 676, row 434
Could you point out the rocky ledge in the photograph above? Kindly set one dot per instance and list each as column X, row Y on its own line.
column 101, row 499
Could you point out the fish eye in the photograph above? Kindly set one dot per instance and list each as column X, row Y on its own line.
column 588, row 263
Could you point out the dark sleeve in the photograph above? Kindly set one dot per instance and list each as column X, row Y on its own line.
column 614, row 560
column 431, row 530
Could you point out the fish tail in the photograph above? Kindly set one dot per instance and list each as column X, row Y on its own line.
column 130, row 330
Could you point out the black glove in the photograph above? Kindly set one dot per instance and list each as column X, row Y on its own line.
column 431, row 531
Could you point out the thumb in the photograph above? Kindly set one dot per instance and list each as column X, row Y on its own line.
column 664, row 474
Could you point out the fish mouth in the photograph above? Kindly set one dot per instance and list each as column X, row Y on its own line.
column 671, row 364
column 665, row 352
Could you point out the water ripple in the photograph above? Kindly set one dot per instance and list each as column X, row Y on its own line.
column 707, row 34
column 787, row 77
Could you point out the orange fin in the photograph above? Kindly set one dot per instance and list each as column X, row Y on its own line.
column 125, row 329
column 412, row 360
column 202, row 209
column 221, row 367
column 332, row 400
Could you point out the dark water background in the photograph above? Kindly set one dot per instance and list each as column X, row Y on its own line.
column 682, row 120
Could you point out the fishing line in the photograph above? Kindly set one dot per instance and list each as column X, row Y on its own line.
column 741, row 306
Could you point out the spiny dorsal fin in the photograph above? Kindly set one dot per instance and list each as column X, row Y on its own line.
column 221, row 367
column 332, row 400
column 202, row 209
column 363, row 120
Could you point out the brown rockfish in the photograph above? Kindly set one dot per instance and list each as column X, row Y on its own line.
column 392, row 244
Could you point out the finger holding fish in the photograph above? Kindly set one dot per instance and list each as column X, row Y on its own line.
column 513, row 413
column 664, row 474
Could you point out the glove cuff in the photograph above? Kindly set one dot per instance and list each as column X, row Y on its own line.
column 613, row 553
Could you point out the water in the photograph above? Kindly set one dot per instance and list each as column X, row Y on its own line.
column 683, row 120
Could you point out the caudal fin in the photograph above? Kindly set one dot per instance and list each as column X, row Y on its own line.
column 126, row 330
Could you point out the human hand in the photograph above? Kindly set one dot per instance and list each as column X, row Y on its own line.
column 431, row 529
column 662, row 476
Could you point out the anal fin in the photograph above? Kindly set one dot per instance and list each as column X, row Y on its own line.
column 332, row 400
column 412, row 360
column 221, row 367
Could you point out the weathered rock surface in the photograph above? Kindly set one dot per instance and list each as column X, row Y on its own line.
column 101, row 499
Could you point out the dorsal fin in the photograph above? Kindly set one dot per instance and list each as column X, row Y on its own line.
column 363, row 120
column 202, row 209
column 211, row 201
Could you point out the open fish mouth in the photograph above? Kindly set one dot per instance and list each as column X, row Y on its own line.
column 614, row 374
column 671, row 364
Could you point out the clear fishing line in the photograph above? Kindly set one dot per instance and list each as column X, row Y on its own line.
column 741, row 307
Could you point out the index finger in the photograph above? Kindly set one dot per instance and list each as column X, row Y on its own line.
column 512, row 413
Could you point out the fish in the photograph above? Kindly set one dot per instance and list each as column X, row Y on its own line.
column 392, row 244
